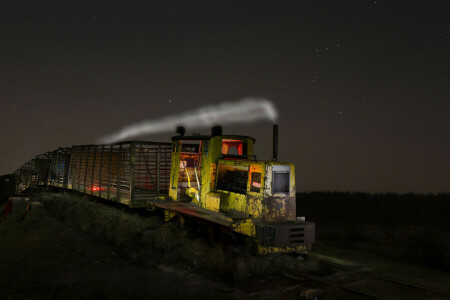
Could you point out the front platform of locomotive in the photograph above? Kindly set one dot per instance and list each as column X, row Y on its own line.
column 220, row 174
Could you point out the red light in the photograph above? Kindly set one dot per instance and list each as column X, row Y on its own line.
column 232, row 147
column 95, row 188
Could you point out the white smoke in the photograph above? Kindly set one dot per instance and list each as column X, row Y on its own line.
column 244, row 111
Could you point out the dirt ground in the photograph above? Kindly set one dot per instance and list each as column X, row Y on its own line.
column 40, row 258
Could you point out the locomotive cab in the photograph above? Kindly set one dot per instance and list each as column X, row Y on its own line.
column 218, row 179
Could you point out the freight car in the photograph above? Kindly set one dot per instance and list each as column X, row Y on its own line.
column 213, row 179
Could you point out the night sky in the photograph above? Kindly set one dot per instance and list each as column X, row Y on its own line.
column 362, row 87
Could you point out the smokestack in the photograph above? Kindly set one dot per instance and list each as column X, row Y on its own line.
column 275, row 142
column 181, row 130
column 216, row 130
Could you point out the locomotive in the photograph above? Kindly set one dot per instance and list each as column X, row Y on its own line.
column 213, row 179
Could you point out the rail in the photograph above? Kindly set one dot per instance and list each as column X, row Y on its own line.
column 298, row 275
column 387, row 278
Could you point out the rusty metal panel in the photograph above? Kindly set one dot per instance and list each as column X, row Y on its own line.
column 286, row 234
column 188, row 209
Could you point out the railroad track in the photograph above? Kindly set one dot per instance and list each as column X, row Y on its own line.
column 368, row 284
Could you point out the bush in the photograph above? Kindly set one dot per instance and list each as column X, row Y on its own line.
column 106, row 222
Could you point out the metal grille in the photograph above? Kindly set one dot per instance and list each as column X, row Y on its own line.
column 291, row 234
column 296, row 236
column 280, row 182
column 126, row 172
column 59, row 168
column 34, row 172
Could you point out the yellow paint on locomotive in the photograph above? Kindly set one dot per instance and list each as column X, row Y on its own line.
column 237, row 187
column 212, row 201
column 169, row 215
column 261, row 250
column 245, row 227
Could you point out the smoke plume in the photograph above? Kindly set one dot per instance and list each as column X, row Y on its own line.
column 244, row 111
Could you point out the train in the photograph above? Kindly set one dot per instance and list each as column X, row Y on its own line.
column 213, row 179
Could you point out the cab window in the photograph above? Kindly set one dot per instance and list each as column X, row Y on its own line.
column 232, row 178
column 233, row 147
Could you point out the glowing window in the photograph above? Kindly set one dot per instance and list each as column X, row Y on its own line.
column 232, row 147
column 190, row 159
column 256, row 182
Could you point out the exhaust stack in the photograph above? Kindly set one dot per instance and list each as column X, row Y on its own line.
column 216, row 130
column 181, row 130
column 275, row 142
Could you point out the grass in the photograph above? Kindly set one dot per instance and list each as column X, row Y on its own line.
column 106, row 222
column 131, row 231
column 41, row 258
column 372, row 223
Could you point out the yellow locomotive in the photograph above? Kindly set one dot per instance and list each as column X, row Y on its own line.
column 217, row 178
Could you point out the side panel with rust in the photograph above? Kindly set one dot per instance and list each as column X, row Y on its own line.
column 279, row 207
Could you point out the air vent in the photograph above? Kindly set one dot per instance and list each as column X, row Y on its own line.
column 296, row 236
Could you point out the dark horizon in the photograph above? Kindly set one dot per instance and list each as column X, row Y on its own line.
column 361, row 87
